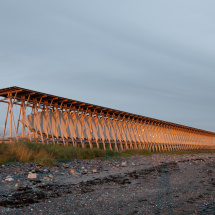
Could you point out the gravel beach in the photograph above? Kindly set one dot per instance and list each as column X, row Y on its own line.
column 157, row 184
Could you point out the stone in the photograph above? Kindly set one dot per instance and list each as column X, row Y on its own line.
column 32, row 175
column 124, row 163
column 84, row 171
column 9, row 178
column 16, row 185
column 94, row 171
column 72, row 171
column 50, row 176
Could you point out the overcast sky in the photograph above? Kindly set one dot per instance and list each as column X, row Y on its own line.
column 153, row 58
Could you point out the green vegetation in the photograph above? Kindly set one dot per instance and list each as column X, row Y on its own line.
column 46, row 154
column 49, row 154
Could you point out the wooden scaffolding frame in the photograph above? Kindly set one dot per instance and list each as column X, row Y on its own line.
column 59, row 120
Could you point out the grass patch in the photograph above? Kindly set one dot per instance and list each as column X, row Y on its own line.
column 46, row 161
column 49, row 154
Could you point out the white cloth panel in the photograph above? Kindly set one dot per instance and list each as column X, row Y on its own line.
column 74, row 125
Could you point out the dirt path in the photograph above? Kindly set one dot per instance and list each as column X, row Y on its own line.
column 160, row 184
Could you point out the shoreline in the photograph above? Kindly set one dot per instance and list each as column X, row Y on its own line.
column 70, row 183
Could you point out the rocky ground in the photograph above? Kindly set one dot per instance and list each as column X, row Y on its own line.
column 157, row 184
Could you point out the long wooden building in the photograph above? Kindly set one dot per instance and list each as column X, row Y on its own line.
column 52, row 119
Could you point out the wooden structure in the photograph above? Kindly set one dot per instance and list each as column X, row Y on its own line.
column 57, row 120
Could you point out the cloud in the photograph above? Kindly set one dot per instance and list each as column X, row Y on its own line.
column 154, row 60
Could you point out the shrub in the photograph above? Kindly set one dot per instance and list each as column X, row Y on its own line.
column 46, row 161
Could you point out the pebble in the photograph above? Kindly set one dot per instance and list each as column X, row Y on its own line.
column 9, row 178
column 84, row 171
column 46, row 178
column 94, row 171
column 124, row 163
column 32, row 175
column 72, row 171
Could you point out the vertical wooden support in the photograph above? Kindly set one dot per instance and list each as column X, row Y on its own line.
column 72, row 129
column 60, row 110
column 14, row 125
column 109, row 131
column 17, row 127
column 125, row 132
column 10, row 102
column 49, row 125
column 8, row 107
column 89, row 118
column 12, row 122
column 140, row 135
column 158, row 131
column 133, row 125
column 114, row 132
column 150, row 128
column 128, row 132
column 144, row 132
column 37, row 117
column 82, row 129
column 102, row 121
column 97, row 129
column 118, row 127
column 25, row 118
column 137, row 131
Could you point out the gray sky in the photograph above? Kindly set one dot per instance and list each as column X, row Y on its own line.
column 154, row 58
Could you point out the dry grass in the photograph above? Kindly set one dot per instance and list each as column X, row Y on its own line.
column 21, row 152
column 48, row 154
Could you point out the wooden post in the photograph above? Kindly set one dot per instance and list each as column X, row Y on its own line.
column 25, row 117
column 8, row 107
column 10, row 101
column 109, row 131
